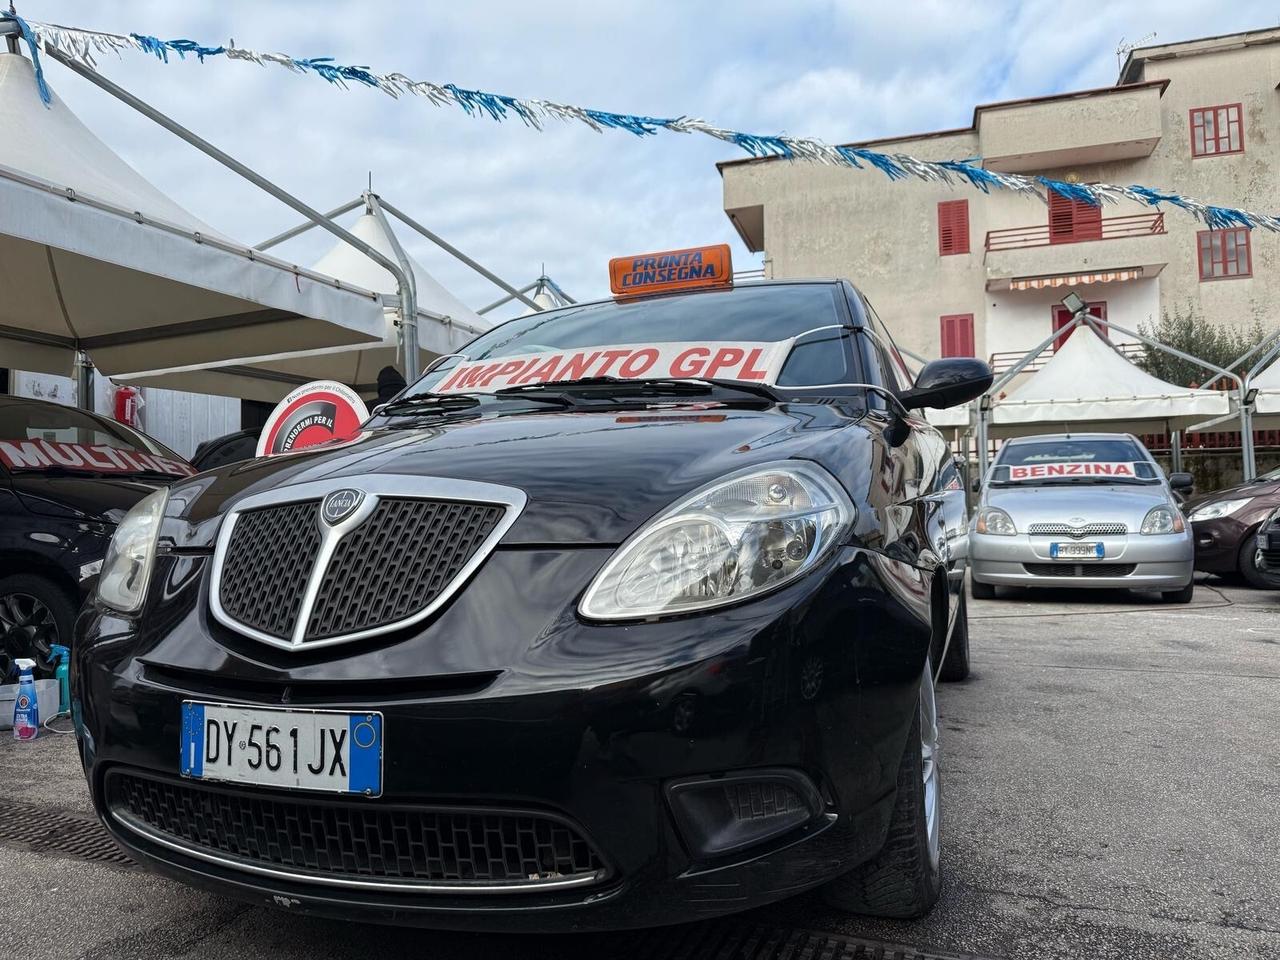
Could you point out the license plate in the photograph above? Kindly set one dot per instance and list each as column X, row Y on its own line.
column 297, row 749
column 1076, row 551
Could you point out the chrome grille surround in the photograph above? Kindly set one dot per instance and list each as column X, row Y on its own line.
column 1077, row 533
column 376, row 488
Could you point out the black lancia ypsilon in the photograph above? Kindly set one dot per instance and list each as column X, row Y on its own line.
column 629, row 614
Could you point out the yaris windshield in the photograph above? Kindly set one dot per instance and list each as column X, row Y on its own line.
column 785, row 335
column 1068, row 461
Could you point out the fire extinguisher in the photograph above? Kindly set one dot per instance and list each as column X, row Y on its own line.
column 128, row 406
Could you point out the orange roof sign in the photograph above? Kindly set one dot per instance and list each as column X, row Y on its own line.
column 671, row 270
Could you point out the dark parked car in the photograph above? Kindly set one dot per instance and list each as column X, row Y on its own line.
column 229, row 448
column 1269, row 546
column 1226, row 524
column 630, row 616
column 66, row 479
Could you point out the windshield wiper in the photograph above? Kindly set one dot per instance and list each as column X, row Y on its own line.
column 626, row 386
column 429, row 403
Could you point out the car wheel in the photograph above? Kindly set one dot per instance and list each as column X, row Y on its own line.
column 1253, row 574
column 903, row 880
column 34, row 615
column 1179, row 596
column 981, row 591
column 955, row 664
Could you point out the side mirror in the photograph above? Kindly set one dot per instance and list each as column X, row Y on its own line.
column 948, row 382
column 1182, row 482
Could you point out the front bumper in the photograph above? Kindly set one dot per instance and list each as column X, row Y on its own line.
column 1218, row 542
column 820, row 678
column 1129, row 562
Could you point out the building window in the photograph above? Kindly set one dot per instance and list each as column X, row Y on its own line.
column 1071, row 221
column 1062, row 317
column 957, row 335
column 1224, row 254
column 953, row 227
column 1216, row 130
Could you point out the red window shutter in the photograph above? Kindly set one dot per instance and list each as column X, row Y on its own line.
column 1071, row 221
column 957, row 335
column 953, row 227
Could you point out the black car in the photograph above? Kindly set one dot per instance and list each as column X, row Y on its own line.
column 630, row 616
column 67, row 477
column 1268, row 546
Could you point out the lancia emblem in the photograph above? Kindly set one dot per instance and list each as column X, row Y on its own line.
column 339, row 505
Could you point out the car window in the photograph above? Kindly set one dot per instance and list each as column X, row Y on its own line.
column 949, row 478
column 893, row 356
column 36, row 436
column 756, row 315
column 1066, row 450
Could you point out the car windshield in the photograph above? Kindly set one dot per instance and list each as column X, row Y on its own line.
column 1063, row 460
column 784, row 335
column 50, row 438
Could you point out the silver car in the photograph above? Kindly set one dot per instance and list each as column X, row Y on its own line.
column 1080, row 510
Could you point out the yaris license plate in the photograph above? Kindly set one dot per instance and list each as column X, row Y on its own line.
column 296, row 749
column 1076, row 551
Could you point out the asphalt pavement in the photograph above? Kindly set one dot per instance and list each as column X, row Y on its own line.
column 1112, row 782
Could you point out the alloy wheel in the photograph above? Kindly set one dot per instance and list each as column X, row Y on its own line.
column 929, row 757
column 27, row 629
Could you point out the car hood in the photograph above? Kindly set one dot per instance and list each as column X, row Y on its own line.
column 1269, row 489
column 102, row 499
column 1103, row 503
column 590, row 477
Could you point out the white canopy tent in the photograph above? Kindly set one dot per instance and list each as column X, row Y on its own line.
column 1266, row 405
column 94, row 258
column 270, row 377
column 1088, row 384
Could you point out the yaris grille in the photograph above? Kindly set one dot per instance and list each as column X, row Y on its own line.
column 1075, row 533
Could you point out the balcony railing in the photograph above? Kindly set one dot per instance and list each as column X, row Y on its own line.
column 1003, row 360
column 1107, row 228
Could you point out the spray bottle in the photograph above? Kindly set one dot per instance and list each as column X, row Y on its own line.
column 26, row 709
column 63, row 675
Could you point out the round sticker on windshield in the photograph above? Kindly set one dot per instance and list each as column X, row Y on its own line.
column 314, row 413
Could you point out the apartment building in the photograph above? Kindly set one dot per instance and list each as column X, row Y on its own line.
column 957, row 272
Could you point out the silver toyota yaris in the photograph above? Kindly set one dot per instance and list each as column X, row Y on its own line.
column 1080, row 510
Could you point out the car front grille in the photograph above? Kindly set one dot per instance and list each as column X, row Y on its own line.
column 1079, row 569
column 390, row 567
column 356, row 843
column 1076, row 533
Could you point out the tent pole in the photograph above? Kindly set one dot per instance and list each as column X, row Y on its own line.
column 84, row 381
column 983, row 404
column 1175, row 451
column 450, row 248
column 408, row 294
column 205, row 147
column 1248, row 459
column 510, row 296
column 304, row 227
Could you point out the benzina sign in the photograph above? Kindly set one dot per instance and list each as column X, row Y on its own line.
column 1039, row 471
column 44, row 454
column 752, row 361
column 671, row 270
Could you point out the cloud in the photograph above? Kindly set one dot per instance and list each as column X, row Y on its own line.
column 567, row 197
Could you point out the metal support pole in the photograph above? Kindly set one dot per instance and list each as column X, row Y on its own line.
column 408, row 295
column 204, row 146
column 507, row 299
column 304, row 227
column 1248, row 458
column 1175, row 451
column 450, row 248
column 982, row 437
column 84, row 381
column 9, row 30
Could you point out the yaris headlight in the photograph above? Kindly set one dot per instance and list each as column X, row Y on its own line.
column 739, row 537
column 997, row 523
column 1162, row 519
column 126, row 570
column 1219, row 508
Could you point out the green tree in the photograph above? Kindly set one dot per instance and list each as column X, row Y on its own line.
column 1188, row 331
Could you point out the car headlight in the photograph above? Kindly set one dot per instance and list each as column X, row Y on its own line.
column 1218, row 508
column 996, row 522
column 1162, row 519
column 126, row 570
column 739, row 537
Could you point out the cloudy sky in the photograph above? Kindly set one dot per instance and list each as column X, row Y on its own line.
column 567, row 197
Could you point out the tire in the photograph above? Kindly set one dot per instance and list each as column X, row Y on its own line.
column 981, row 591
column 1179, row 596
column 22, row 597
column 904, row 879
column 955, row 665
column 1254, row 575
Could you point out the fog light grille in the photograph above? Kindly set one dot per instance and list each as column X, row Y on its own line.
column 718, row 815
